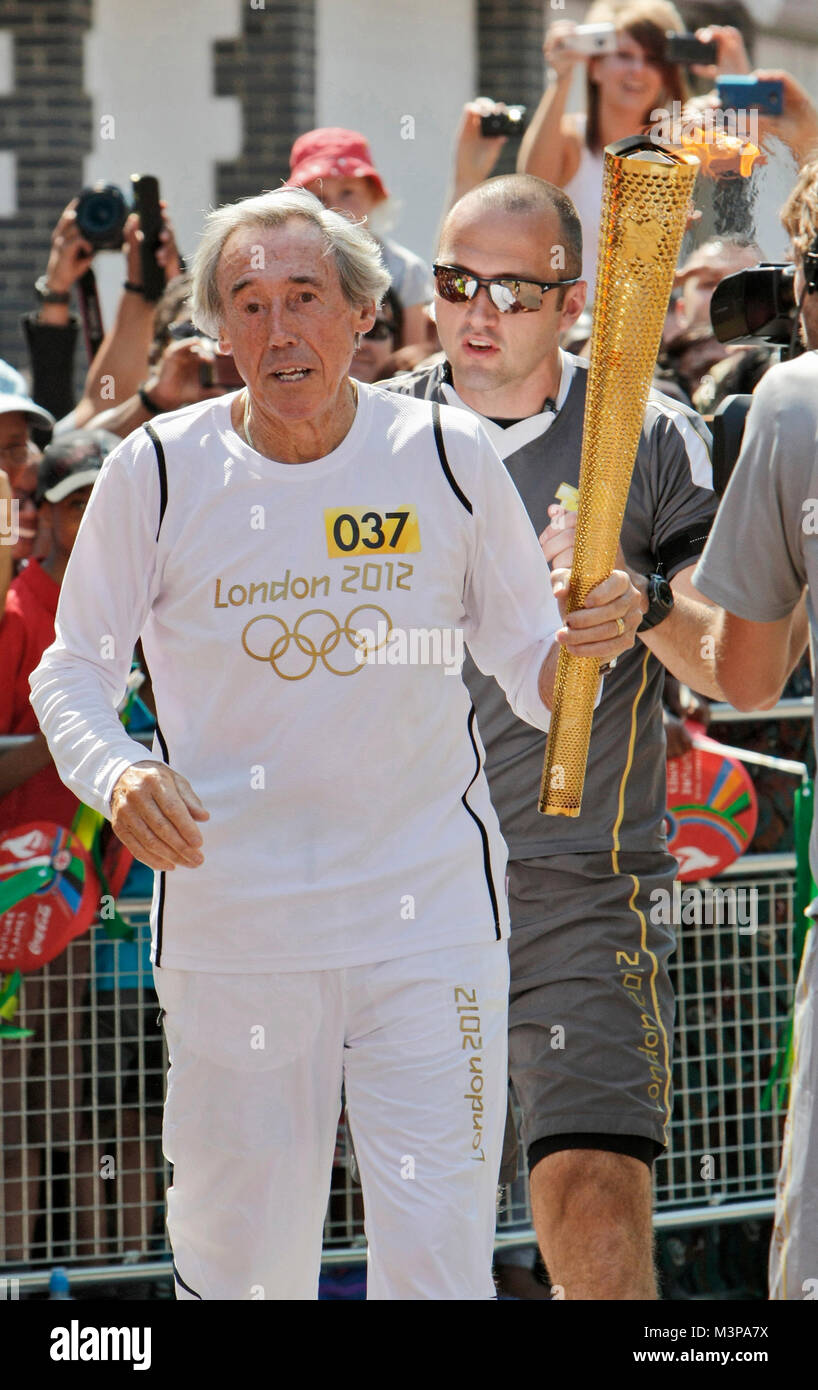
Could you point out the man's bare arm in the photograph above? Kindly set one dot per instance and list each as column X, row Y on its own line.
column 22, row 762
column 685, row 641
column 755, row 660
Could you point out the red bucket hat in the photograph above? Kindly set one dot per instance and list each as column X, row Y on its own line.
column 332, row 153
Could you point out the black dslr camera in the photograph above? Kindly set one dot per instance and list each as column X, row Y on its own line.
column 101, row 214
column 755, row 303
column 752, row 305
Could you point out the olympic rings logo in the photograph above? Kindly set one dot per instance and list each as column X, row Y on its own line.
column 315, row 642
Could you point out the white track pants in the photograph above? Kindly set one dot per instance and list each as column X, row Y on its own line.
column 252, row 1109
column 794, row 1247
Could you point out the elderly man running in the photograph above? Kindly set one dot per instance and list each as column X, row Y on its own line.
column 329, row 897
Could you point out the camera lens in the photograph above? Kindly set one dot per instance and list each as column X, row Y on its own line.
column 101, row 215
column 755, row 303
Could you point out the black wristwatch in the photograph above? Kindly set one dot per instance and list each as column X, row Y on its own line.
column 660, row 602
column 47, row 296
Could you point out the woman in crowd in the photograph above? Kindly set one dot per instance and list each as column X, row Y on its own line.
column 622, row 89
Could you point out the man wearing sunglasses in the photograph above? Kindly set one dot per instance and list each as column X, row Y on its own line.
column 591, row 1006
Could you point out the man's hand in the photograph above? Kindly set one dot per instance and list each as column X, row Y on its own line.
column 594, row 629
column 557, row 541
column 797, row 126
column 556, row 52
column 678, row 737
column 70, row 254
column 174, row 381
column 603, row 629
column 167, row 253
column 731, row 55
column 606, row 626
column 68, row 259
column 154, row 812
column 475, row 155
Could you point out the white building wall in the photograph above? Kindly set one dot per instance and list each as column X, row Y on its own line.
column 380, row 61
column 8, row 161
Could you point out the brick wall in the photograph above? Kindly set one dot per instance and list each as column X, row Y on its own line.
column 510, row 65
column 271, row 70
column 46, row 121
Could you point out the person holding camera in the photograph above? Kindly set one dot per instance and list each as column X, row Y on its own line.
column 120, row 362
column 625, row 82
column 761, row 566
column 180, row 368
column 476, row 152
column 51, row 330
column 690, row 349
column 96, row 220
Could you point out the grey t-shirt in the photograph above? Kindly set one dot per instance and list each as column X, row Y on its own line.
column 670, row 508
column 764, row 546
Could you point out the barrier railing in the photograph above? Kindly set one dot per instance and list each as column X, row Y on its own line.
column 82, row 1176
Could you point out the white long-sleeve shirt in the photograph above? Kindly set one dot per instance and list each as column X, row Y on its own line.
column 350, row 819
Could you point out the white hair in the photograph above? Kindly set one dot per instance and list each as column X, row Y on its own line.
column 357, row 255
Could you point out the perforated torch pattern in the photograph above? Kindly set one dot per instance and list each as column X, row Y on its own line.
column 643, row 219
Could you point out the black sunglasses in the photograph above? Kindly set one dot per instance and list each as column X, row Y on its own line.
column 186, row 328
column 381, row 330
column 509, row 295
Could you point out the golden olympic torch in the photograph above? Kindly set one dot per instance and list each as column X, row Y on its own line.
column 646, row 189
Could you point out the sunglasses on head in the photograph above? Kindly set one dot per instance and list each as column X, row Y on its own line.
column 509, row 295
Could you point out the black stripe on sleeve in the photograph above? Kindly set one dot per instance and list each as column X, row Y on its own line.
column 177, row 1276
column 163, row 474
column 160, row 915
column 444, row 462
column 483, row 832
column 160, row 738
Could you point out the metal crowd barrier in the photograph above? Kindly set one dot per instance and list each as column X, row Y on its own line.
column 82, row 1176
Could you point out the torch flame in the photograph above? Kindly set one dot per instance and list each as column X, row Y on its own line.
column 721, row 154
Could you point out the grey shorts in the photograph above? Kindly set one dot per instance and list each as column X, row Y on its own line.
column 591, row 1007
